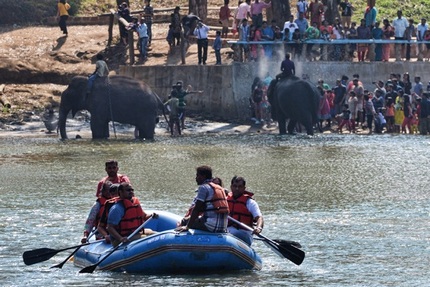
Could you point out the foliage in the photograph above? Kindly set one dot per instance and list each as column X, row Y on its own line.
column 415, row 9
column 34, row 11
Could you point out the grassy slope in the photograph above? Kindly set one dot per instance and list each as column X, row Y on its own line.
column 36, row 10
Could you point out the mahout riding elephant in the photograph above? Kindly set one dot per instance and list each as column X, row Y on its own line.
column 115, row 98
column 294, row 99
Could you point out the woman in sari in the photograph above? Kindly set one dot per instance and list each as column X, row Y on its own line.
column 387, row 33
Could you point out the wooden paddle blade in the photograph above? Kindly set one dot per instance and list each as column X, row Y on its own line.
column 283, row 242
column 38, row 255
column 290, row 252
column 60, row 265
column 89, row 269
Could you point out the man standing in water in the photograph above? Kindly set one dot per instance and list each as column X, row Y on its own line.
column 111, row 168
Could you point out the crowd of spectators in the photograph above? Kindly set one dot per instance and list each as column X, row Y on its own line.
column 396, row 105
column 295, row 35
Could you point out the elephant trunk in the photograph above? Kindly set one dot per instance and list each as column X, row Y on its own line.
column 62, row 123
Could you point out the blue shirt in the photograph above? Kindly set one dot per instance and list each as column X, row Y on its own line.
column 217, row 43
column 302, row 24
column 116, row 213
column 142, row 30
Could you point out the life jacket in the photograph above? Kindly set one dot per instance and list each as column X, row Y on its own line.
column 238, row 210
column 133, row 217
column 104, row 216
column 218, row 201
column 102, row 200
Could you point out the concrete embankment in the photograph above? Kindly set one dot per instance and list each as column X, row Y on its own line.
column 226, row 88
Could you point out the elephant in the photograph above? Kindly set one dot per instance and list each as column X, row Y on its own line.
column 294, row 99
column 114, row 98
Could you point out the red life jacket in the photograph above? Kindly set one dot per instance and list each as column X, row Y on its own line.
column 132, row 219
column 102, row 200
column 238, row 210
column 104, row 216
column 218, row 201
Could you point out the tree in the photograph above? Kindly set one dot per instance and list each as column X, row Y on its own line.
column 332, row 11
column 280, row 12
column 199, row 8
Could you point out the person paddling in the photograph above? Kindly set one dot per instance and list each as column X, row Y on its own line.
column 244, row 209
column 209, row 208
column 96, row 212
column 126, row 216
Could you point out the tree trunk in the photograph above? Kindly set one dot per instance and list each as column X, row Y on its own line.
column 332, row 11
column 199, row 8
column 280, row 11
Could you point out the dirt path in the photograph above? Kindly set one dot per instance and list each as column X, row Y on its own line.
column 36, row 63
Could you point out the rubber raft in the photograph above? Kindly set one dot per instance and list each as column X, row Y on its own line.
column 168, row 251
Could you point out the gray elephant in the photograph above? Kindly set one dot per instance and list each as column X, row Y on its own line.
column 294, row 99
column 125, row 99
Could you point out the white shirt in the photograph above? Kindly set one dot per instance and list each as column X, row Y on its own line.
column 400, row 26
column 201, row 32
column 243, row 10
column 292, row 26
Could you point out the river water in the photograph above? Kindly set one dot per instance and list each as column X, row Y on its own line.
column 359, row 205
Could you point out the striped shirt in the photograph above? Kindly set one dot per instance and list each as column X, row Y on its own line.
column 215, row 222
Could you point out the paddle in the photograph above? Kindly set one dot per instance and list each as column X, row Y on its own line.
column 43, row 254
column 285, row 250
column 60, row 265
column 91, row 268
column 283, row 242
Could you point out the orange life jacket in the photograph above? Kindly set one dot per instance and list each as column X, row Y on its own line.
column 102, row 200
column 132, row 219
column 238, row 210
column 218, row 201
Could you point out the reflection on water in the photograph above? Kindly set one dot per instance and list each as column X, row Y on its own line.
column 358, row 204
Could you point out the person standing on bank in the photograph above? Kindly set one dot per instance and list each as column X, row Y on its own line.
column 201, row 32
column 224, row 16
column 211, row 201
column 245, row 209
column 142, row 30
column 217, row 47
column 148, row 14
column 63, row 6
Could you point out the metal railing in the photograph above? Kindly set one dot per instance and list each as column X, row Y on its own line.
column 325, row 47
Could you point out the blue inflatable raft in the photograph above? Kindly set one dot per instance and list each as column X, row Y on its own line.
column 171, row 252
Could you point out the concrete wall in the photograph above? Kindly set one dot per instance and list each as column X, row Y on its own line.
column 226, row 88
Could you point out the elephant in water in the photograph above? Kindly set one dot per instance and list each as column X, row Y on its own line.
column 116, row 98
column 294, row 99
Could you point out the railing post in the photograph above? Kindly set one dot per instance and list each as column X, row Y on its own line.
column 371, row 52
column 110, row 29
column 420, row 56
column 324, row 52
column 397, row 52
column 131, row 46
